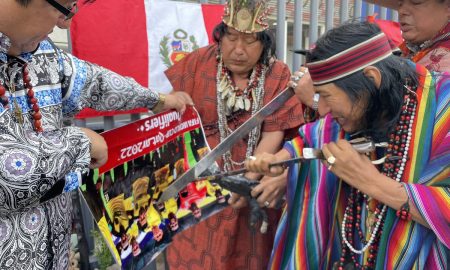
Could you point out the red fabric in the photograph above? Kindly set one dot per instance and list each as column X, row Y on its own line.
column 225, row 240
column 112, row 33
column 212, row 16
column 392, row 31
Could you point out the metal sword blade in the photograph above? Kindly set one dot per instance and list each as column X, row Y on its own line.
column 308, row 154
column 194, row 172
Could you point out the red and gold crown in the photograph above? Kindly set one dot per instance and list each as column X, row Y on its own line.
column 248, row 16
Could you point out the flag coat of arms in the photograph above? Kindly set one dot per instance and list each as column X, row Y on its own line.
column 141, row 38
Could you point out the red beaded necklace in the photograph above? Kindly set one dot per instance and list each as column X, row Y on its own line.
column 252, row 83
column 399, row 140
column 32, row 101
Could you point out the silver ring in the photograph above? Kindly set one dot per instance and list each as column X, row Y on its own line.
column 266, row 203
column 294, row 84
column 295, row 78
column 331, row 160
column 251, row 158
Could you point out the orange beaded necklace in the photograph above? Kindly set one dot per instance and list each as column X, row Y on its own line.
column 32, row 101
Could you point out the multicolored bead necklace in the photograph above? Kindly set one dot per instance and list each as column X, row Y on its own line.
column 235, row 98
column 399, row 140
column 32, row 101
column 226, row 105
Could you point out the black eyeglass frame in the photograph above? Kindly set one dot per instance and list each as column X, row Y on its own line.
column 67, row 12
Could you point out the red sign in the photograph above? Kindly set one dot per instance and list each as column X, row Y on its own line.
column 141, row 137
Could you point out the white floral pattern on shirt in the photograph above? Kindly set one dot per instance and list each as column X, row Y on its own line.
column 35, row 235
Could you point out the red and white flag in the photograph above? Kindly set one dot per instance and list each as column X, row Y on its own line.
column 141, row 38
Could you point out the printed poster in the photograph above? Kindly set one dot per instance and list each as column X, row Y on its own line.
column 145, row 157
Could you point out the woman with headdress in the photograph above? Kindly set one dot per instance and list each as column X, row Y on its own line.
column 346, row 212
column 229, row 81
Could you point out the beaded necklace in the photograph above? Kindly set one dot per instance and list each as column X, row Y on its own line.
column 230, row 100
column 32, row 100
column 235, row 98
column 399, row 140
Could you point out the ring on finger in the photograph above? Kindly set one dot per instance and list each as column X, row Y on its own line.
column 295, row 78
column 294, row 84
column 331, row 160
column 266, row 203
column 251, row 158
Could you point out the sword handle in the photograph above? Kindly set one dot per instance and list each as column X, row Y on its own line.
column 286, row 163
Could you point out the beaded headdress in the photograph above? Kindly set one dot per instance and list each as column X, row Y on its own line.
column 248, row 16
column 350, row 60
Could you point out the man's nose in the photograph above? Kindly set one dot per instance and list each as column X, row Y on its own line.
column 403, row 9
column 239, row 48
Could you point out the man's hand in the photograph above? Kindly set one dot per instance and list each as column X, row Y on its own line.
column 303, row 86
column 237, row 201
column 99, row 149
column 178, row 101
column 270, row 191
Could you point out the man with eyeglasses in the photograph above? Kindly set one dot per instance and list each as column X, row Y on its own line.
column 40, row 159
column 69, row 12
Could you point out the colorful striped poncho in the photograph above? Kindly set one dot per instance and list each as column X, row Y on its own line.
column 308, row 235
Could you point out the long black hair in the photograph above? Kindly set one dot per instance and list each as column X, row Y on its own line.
column 265, row 37
column 383, row 105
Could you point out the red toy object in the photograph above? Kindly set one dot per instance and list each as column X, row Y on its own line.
column 191, row 195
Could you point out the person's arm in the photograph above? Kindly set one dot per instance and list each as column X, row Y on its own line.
column 87, row 85
column 428, row 204
column 358, row 171
column 31, row 163
column 271, row 189
column 261, row 163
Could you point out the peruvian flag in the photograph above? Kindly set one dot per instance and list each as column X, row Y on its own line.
column 141, row 38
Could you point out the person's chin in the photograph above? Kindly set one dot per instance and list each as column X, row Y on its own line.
column 348, row 128
column 236, row 68
column 31, row 47
column 410, row 36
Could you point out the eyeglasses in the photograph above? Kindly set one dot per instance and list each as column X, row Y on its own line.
column 69, row 13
